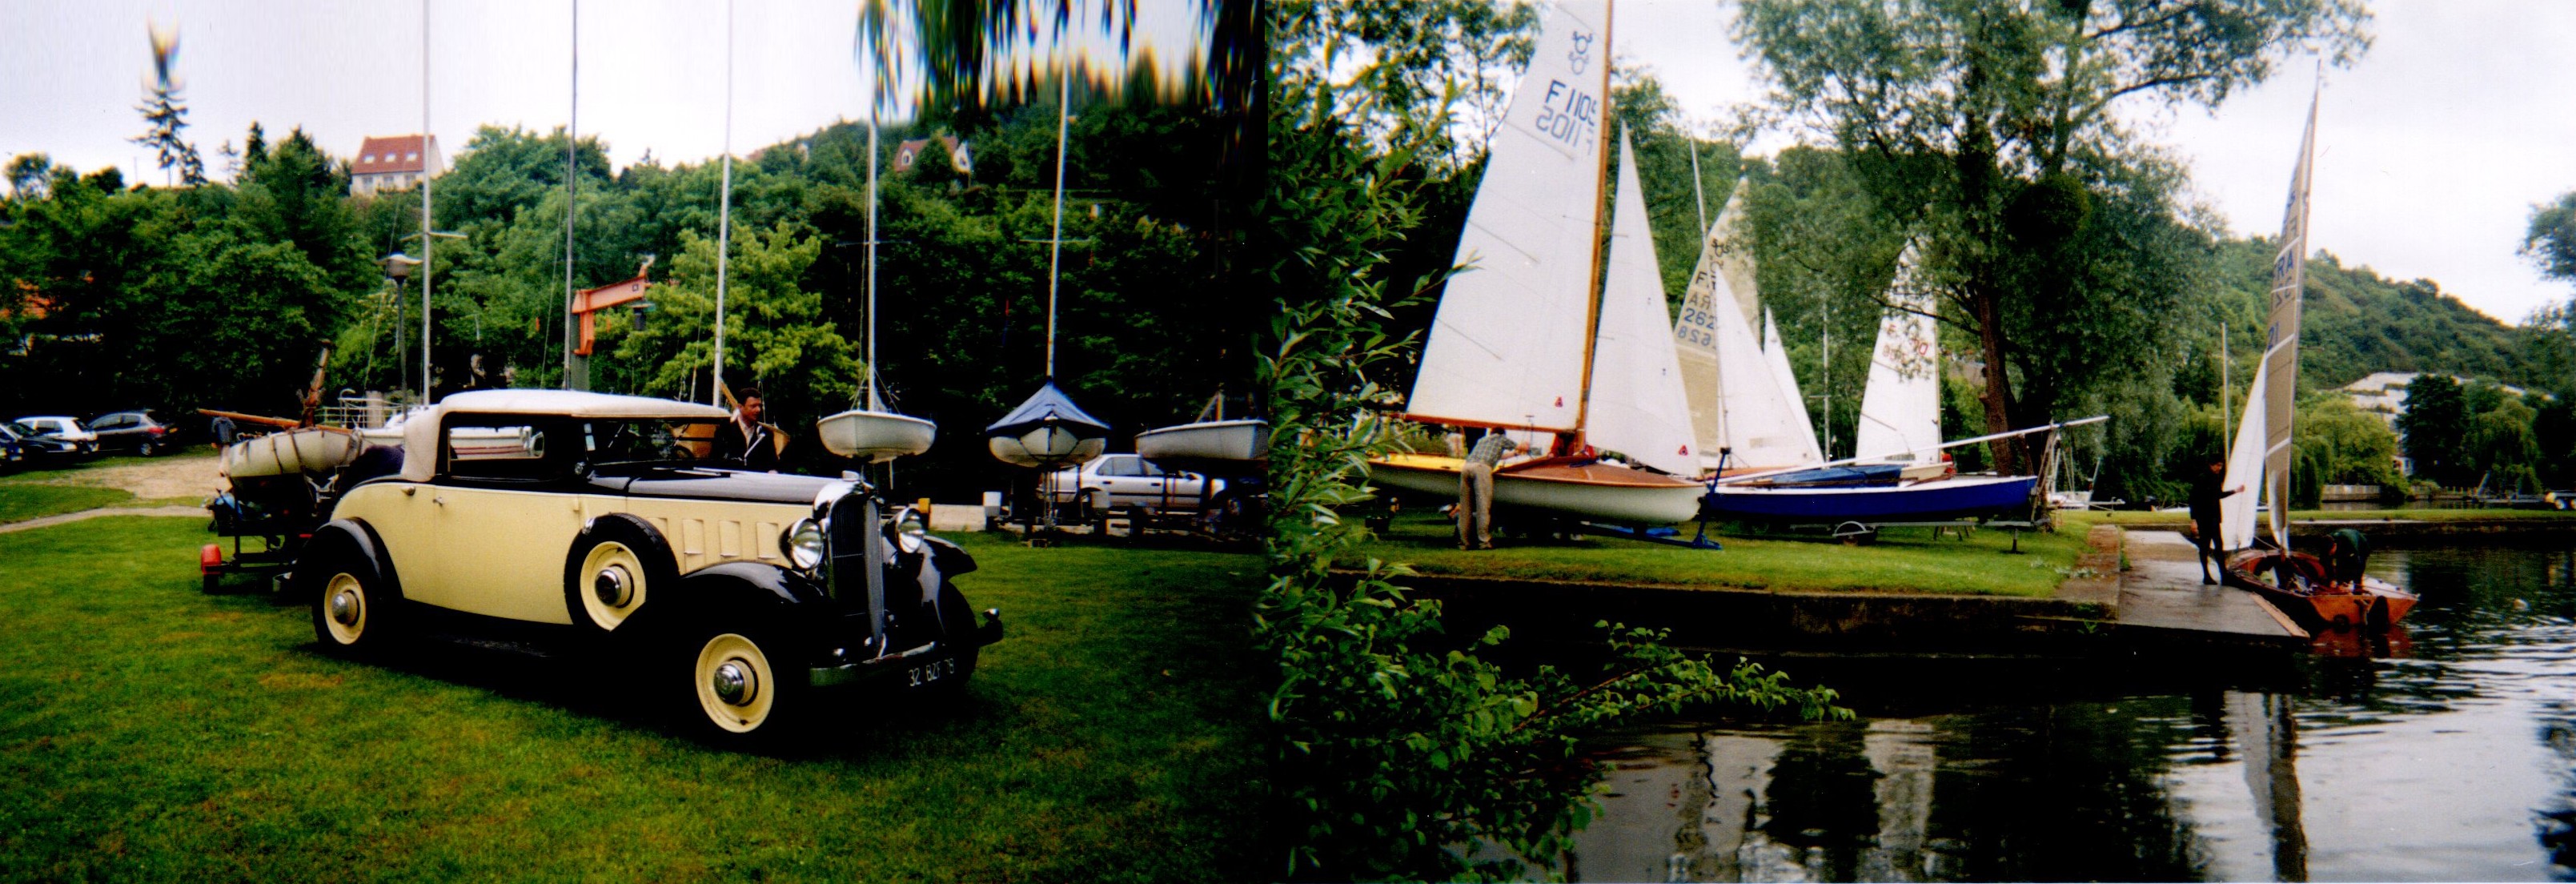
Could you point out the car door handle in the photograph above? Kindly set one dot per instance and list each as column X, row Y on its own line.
column 441, row 500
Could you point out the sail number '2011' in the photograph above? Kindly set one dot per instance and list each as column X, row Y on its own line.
column 1567, row 115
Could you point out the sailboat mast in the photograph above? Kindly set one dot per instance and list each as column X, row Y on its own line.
column 1055, row 244
column 724, row 214
column 1570, row 442
column 1699, row 194
column 874, row 402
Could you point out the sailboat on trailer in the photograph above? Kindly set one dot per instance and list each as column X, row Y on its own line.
column 2296, row 581
column 1896, row 473
column 874, row 433
column 1524, row 341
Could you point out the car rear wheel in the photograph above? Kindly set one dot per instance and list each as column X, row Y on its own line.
column 740, row 689
column 353, row 610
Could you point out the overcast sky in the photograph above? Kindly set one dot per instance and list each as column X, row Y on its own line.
column 652, row 71
column 2431, row 151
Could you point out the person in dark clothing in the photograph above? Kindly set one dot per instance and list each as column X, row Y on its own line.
column 746, row 442
column 2205, row 495
column 2347, row 554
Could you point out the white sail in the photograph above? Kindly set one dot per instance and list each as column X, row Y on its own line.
column 2244, row 470
column 1743, row 408
column 2279, row 379
column 1734, row 258
column 1637, row 404
column 1800, row 430
column 1506, row 346
column 1900, row 410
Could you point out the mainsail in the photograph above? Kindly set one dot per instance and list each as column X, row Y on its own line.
column 1900, row 410
column 1743, row 404
column 1637, row 404
column 2276, row 382
column 1506, row 346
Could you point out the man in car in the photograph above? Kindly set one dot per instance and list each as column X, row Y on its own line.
column 746, row 442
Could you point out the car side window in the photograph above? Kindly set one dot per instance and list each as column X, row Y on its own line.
column 111, row 422
column 502, row 451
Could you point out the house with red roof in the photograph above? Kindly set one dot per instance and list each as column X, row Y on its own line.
column 396, row 163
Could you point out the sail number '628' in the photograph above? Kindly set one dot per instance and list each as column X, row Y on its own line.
column 1568, row 114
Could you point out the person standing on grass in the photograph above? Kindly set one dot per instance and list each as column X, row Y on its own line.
column 746, row 441
column 2205, row 495
column 1476, row 490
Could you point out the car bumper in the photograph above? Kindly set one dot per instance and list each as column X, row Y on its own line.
column 917, row 666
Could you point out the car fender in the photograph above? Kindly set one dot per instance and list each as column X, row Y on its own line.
column 357, row 533
column 771, row 595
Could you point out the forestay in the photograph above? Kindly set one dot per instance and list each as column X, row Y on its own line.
column 1900, row 410
column 1638, row 408
column 1506, row 346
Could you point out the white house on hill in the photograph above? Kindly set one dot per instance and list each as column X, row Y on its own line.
column 396, row 163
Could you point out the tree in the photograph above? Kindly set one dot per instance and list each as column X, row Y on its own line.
column 1989, row 128
column 2551, row 240
column 775, row 334
column 2436, row 427
column 28, row 174
column 167, row 113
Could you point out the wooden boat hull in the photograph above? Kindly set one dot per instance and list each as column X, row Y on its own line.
column 1595, row 491
column 2373, row 604
column 290, row 452
column 875, row 435
column 1209, row 446
column 1953, row 498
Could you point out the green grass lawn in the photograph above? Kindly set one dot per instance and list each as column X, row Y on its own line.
column 148, row 731
column 1903, row 559
column 20, row 501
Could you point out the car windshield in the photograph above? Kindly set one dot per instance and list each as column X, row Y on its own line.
column 651, row 441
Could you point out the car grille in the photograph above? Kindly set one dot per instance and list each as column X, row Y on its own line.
column 854, row 544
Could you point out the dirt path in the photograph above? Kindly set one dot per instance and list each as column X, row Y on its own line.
column 175, row 476
column 47, row 521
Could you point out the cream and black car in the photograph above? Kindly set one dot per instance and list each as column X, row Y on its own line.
column 597, row 519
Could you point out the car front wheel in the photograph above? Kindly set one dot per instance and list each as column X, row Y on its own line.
column 741, row 690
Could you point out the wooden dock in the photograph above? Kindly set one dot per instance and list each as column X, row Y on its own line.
column 2162, row 598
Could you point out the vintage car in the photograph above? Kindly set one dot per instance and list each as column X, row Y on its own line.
column 596, row 521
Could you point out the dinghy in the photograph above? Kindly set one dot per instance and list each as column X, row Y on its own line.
column 1515, row 344
column 2294, row 580
column 874, row 433
column 300, row 451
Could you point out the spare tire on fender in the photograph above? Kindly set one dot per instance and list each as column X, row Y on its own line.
column 612, row 571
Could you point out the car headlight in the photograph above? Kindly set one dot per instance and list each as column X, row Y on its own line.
column 909, row 529
column 803, row 544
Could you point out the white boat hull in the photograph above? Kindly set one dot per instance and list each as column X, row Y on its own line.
column 1244, row 442
column 1596, row 492
column 1031, row 449
column 875, row 435
column 290, row 452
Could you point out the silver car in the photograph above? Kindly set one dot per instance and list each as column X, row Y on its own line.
column 1127, row 481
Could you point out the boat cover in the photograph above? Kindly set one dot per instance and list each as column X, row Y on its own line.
column 1049, row 406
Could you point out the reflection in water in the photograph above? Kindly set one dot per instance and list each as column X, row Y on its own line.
column 2446, row 753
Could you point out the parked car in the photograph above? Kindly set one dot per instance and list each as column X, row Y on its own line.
column 13, row 450
column 135, row 431
column 41, row 445
column 61, row 428
column 1132, row 482
column 596, row 521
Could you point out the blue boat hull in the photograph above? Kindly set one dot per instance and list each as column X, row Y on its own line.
column 1954, row 498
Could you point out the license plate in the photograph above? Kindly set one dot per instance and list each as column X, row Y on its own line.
column 931, row 672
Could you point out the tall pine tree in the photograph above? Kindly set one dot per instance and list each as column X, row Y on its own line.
column 167, row 113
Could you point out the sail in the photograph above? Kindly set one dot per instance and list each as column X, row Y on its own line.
column 1506, row 345
column 1744, row 408
column 1734, row 256
column 1637, row 404
column 1900, row 410
column 2244, row 470
column 2279, row 377
column 1801, row 432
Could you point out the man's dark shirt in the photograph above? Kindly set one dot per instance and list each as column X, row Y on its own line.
column 2205, row 495
column 759, row 452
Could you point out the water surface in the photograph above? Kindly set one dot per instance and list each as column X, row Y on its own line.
column 2447, row 752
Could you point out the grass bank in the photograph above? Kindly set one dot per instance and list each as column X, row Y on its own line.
column 2426, row 514
column 20, row 501
column 170, row 735
column 1903, row 559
